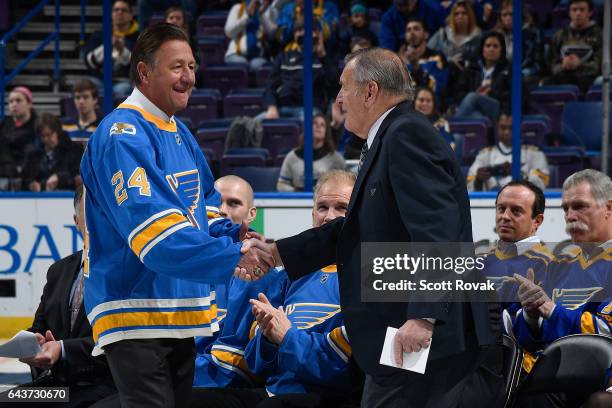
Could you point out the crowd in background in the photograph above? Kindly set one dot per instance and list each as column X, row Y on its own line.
column 457, row 52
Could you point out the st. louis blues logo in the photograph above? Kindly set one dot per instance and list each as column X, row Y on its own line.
column 307, row 315
column 186, row 185
column 574, row 298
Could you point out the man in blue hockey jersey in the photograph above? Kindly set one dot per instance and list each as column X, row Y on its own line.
column 153, row 229
column 300, row 349
column 576, row 296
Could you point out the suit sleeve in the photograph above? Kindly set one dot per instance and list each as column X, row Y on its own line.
column 433, row 214
column 134, row 194
column 79, row 362
column 297, row 252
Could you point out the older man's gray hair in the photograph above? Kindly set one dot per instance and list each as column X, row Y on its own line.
column 601, row 185
column 383, row 67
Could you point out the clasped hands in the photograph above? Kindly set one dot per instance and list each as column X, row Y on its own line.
column 257, row 255
column 50, row 353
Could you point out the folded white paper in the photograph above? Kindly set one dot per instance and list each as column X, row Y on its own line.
column 23, row 344
column 416, row 361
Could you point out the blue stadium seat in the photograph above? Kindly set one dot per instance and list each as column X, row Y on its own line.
column 549, row 100
column 474, row 133
column 210, row 23
column 280, row 135
column 243, row 102
column 211, row 49
column 249, row 151
column 566, row 160
column 211, row 134
column 260, row 178
column 581, row 125
column 225, row 77
column 261, row 75
column 203, row 105
column 229, row 162
column 535, row 129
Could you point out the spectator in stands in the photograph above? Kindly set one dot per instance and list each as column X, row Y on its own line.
column 147, row 8
column 426, row 66
column 359, row 43
column 578, row 279
column 459, row 37
column 425, row 102
column 324, row 156
column 64, row 333
column 249, row 25
column 80, row 129
column 492, row 168
column 284, row 94
column 177, row 16
column 125, row 33
column 54, row 166
column 483, row 88
column 532, row 41
column 291, row 13
column 16, row 133
column 575, row 52
column 393, row 22
column 357, row 28
column 301, row 356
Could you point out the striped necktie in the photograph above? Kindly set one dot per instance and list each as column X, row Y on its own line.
column 362, row 156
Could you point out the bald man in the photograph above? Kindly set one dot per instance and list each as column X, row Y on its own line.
column 236, row 199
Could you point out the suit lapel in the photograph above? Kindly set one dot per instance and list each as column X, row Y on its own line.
column 401, row 108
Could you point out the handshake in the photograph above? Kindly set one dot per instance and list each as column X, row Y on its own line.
column 257, row 256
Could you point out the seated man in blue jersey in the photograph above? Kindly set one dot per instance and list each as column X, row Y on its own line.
column 576, row 296
column 300, row 349
column 80, row 129
column 218, row 357
column 519, row 212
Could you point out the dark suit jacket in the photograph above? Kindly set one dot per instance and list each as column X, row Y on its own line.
column 410, row 189
column 53, row 314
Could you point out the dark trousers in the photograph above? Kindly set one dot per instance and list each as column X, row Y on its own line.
column 152, row 372
column 470, row 379
column 258, row 398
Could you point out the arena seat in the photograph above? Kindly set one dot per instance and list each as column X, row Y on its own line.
column 280, row 135
column 581, row 125
column 211, row 49
column 210, row 23
column 203, row 105
column 550, row 99
column 229, row 162
column 243, row 102
column 534, row 129
column 260, row 178
column 474, row 132
column 225, row 77
column 211, row 135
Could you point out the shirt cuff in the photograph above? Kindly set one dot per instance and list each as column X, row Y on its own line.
column 63, row 350
column 430, row 320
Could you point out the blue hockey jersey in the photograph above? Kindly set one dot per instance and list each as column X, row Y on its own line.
column 152, row 229
column 314, row 354
column 579, row 285
column 221, row 363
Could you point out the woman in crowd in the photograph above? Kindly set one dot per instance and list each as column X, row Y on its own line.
column 457, row 39
column 16, row 132
column 55, row 165
column 483, row 88
column 324, row 156
column 425, row 102
column 177, row 16
column 532, row 42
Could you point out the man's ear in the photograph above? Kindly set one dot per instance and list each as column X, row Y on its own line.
column 252, row 214
column 371, row 93
column 143, row 72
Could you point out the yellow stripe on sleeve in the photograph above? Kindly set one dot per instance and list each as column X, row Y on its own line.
column 338, row 339
column 142, row 319
column 587, row 325
column 152, row 231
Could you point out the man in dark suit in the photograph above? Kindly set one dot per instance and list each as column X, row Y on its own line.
column 64, row 334
column 409, row 189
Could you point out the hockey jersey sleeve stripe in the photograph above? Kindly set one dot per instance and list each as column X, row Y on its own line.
column 212, row 214
column 211, row 221
column 144, row 319
column 235, row 360
column 151, row 232
column 339, row 344
column 151, row 304
column 150, row 220
column 586, row 323
column 162, row 236
column 225, row 347
column 159, row 122
column 602, row 327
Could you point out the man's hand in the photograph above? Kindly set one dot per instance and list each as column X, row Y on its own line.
column 52, row 183
column 50, row 353
column 414, row 335
column 272, row 322
column 272, row 112
column 258, row 258
column 246, row 234
column 533, row 298
column 483, row 174
column 118, row 43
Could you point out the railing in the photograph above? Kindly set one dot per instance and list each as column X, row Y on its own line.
column 54, row 36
